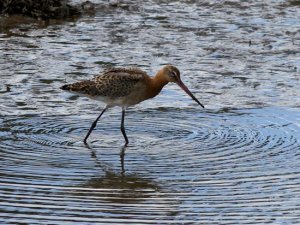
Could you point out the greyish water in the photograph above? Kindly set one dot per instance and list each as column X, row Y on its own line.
column 237, row 161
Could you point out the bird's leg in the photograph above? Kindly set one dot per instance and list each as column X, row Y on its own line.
column 93, row 126
column 123, row 128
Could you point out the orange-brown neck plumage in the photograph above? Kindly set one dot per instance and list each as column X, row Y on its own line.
column 156, row 83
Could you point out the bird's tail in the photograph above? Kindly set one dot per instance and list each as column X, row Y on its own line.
column 66, row 87
column 82, row 87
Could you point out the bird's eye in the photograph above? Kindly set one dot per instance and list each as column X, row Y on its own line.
column 173, row 74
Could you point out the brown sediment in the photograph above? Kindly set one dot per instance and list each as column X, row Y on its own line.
column 42, row 9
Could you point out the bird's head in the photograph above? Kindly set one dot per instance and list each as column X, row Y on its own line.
column 172, row 74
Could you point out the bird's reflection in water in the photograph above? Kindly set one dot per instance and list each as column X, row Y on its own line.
column 119, row 186
column 101, row 164
column 122, row 157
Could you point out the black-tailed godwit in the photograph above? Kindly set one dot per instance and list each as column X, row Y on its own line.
column 125, row 87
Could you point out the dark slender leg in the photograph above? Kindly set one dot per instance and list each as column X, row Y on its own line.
column 93, row 126
column 123, row 128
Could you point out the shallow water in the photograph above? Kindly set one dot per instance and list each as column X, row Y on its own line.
column 237, row 161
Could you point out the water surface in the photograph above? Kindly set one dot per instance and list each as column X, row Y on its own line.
column 237, row 161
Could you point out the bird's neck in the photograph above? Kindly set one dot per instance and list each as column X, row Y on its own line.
column 156, row 84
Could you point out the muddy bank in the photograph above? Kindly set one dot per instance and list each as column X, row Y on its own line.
column 43, row 9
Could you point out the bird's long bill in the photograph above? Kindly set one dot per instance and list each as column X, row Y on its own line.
column 182, row 85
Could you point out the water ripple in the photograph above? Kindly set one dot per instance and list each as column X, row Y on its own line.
column 178, row 170
column 236, row 162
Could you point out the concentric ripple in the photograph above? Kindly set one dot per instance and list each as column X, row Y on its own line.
column 205, row 166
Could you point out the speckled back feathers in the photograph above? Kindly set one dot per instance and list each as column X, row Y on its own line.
column 113, row 83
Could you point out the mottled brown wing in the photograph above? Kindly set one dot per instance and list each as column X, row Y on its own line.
column 118, row 82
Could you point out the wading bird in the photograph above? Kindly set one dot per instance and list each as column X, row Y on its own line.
column 125, row 87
